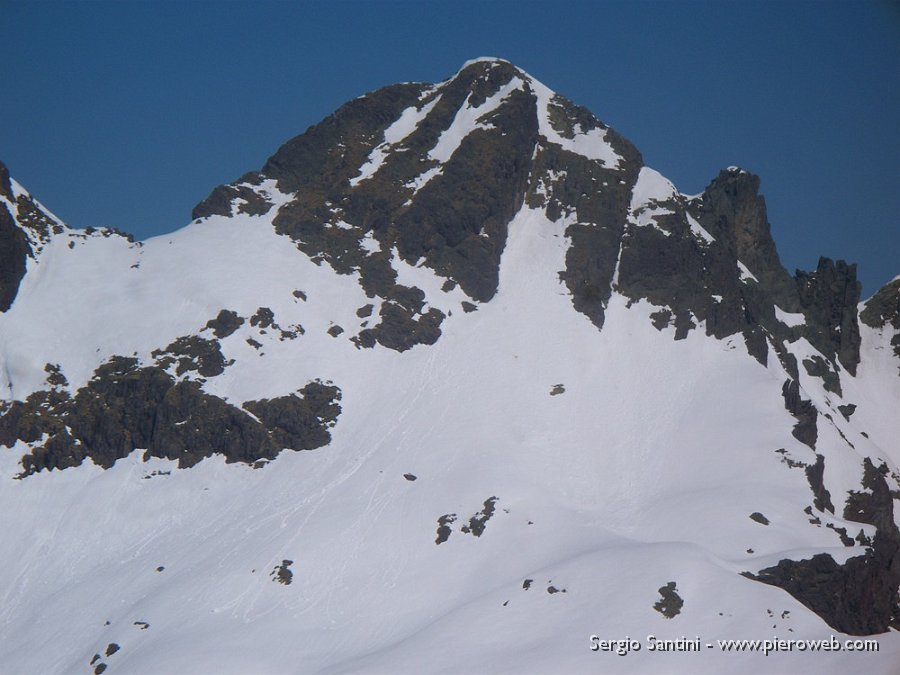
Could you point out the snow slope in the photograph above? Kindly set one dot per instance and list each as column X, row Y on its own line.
column 604, row 490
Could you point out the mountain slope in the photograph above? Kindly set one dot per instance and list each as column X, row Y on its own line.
column 537, row 384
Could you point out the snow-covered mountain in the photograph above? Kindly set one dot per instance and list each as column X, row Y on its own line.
column 452, row 384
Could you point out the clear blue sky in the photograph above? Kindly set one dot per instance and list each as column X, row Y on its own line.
column 128, row 113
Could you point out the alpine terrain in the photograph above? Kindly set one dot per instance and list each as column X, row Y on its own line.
column 453, row 383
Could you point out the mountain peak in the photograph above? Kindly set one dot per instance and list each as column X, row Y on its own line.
column 468, row 301
column 484, row 59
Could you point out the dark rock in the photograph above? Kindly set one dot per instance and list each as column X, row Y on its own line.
column 695, row 279
column 299, row 422
column 334, row 331
column 323, row 159
column 5, row 184
column 402, row 326
column 557, row 390
column 805, row 430
column 468, row 307
column 262, row 318
column 596, row 237
column 409, row 476
column 788, row 361
column 282, row 574
column 478, row 522
column 815, row 475
column 858, row 597
column 299, row 294
column 759, row 518
column 295, row 331
column 847, row 410
column 14, row 249
column 365, row 339
column 443, row 530
column 883, row 308
column 222, row 200
column 670, row 604
column 100, row 668
column 527, row 584
column 829, row 298
column 126, row 407
column 818, row 367
column 661, row 319
column 365, row 311
column 55, row 377
column 192, row 353
column 225, row 323
column 458, row 220
column 757, row 344
column 846, row 540
column 733, row 211
column 32, row 217
column 112, row 648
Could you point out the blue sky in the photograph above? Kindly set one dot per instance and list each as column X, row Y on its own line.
column 128, row 113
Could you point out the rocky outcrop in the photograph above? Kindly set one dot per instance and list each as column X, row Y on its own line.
column 805, row 429
column 732, row 210
column 882, row 311
column 240, row 197
column 225, row 323
column 883, row 308
column 858, row 597
column 402, row 322
column 709, row 259
column 129, row 406
column 568, row 184
column 454, row 219
column 829, row 297
column 14, row 251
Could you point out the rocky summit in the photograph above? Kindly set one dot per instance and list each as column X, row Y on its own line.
column 453, row 383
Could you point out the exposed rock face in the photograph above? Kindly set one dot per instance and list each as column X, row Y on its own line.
column 860, row 596
column 566, row 184
column 670, row 603
column 222, row 198
column 129, row 406
column 829, row 297
column 710, row 259
column 450, row 213
column 815, row 474
column 883, row 308
column 732, row 210
column 24, row 229
column 403, row 325
column 460, row 238
column 805, row 430
column 883, row 311
column 225, row 323
column 192, row 353
column 14, row 250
